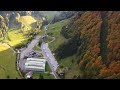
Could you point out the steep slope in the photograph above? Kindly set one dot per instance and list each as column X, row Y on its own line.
column 94, row 43
column 12, row 18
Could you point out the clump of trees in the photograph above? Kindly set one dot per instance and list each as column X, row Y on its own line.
column 69, row 48
column 3, row 27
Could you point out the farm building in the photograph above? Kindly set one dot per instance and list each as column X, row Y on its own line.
column 34, row 64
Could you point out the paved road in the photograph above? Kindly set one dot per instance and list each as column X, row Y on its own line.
column 46, row 54
column 27, row 50
column 49, row 57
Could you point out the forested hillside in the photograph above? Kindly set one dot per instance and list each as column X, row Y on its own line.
column 94, row 41
column 86, row 43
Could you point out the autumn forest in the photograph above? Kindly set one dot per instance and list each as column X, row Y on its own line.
column 86, row 44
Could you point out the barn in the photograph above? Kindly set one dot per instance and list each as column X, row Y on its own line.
column 34, row 64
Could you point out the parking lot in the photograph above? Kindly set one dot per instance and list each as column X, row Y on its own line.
column 33, row 54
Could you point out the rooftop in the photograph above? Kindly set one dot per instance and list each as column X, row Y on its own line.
column 35, row 64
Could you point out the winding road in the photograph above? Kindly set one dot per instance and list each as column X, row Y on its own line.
column 52, row 40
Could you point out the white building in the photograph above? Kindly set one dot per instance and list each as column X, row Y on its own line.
column 34, row 64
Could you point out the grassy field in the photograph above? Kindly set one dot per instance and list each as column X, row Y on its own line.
column 72, row 66
column 42, row 32
column 47, row 68
column 7, row 57
column 15, row 35
column 49, row 14
column 36, row 75
column 48, row 76
column 59, row 39
column 36, row 48
column 27, row 20
column 7, row 63
column 69, row 62
column 48, row 39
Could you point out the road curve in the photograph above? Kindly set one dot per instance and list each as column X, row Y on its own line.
column 27, row 50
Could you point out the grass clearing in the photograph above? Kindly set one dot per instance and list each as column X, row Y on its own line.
column 47, row 68
column 59, row 39
column 16, row 38
column 27, row 20
column 48, row 76
column 49, row 14
column 7, row 63
column 42, row 32
column 7, row 57
column 36, row 48
column 48, row 39
column 38, row 75
column 71, row 64
column 15, row 35
column 74, row 71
